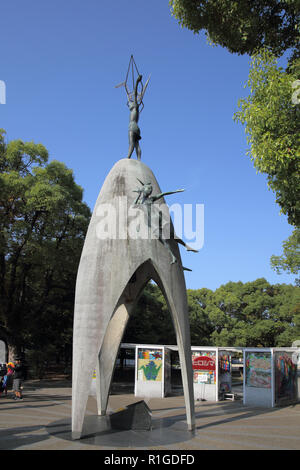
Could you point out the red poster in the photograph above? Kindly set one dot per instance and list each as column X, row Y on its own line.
column 203, row 363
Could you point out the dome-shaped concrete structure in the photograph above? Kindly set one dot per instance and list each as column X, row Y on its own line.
column 114, row 268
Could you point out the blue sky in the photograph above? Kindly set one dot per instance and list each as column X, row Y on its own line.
column 60, row 62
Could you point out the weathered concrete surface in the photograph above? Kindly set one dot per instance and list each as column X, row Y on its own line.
column 111, row 275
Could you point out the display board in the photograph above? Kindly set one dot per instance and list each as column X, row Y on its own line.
column 270, row 377
column 285, row 378
column 204, row 374
column 258, row 377
column 152, row 371
column 258, row 369
column 150, row 364
column 225, row 369
column 204, row 367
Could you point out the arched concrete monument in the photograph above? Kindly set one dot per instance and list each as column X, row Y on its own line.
column 114, row 268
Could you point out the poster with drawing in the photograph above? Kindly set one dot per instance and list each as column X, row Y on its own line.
column 204, row 366
column 224, row 372
column 258, row 369
column 150, row 364
column 285, row 378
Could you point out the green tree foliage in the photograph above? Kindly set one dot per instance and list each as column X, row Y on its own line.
column 271, row 115
column 264, row 29
column 151, row 321
column 290, row 259
column 43, row 222
column 254, row 314
column 201, row 325
column 271, row 122
column 242, row 26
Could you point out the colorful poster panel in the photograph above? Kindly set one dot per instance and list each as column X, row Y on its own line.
column 204, row 366
column 152, row 354
column 224, row 372
column 150, row 365
column 207, row 377
column 258, row 369
column 285, row 378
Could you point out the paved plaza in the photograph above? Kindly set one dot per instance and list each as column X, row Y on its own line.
column 42, row 421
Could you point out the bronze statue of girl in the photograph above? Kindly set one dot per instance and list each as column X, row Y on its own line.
column 134, row 133
column 134, row 102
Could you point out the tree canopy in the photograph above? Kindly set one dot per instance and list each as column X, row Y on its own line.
column 254, row 314
column 151, row 321
column 271, row 115
column 271, row 122
column 43, row 222
column 290, row 259
column 264, row 29
column 242, row 26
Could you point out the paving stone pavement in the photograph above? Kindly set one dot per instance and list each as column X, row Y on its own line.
column 42, row 421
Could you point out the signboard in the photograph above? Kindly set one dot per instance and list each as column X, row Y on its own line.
column 203, row 363
column 204, row 367
column 149, row 364
column 202, row 377
column 224, row 372
column 285, row 377
column 258, row 369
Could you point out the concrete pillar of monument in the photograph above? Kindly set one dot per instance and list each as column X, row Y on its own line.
column 114, row 268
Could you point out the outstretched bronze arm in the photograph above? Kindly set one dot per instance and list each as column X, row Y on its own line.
column 160, row 195
column 138, row 80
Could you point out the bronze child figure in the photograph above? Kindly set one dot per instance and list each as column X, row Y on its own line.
column 135, row 105
column 134, row 133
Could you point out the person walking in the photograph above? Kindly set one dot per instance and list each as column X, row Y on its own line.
column 18, row 379
column 8, row 379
